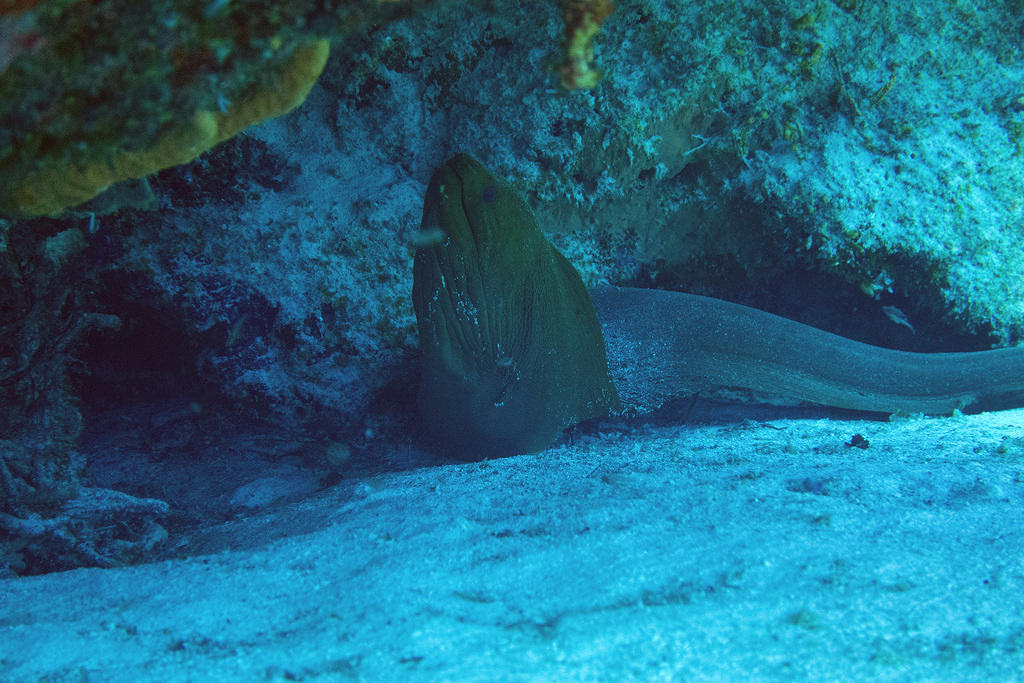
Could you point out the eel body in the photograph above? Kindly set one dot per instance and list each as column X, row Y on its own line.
column 513, row 350
column 662, row 345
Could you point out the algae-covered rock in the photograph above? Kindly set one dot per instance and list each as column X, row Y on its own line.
column 731, row 140
column 301, row 254
column 92, row 94
column 55, row 185
column 47, row 308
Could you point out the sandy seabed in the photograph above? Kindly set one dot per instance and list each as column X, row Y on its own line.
column 765, row 549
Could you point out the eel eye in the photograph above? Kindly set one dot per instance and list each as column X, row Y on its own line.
column 490, row 193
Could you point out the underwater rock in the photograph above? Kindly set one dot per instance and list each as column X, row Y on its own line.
column 644, row 173
column 54, row 184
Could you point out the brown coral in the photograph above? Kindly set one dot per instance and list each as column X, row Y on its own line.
column 55, row 186
column 583, row 19
column 15, row 6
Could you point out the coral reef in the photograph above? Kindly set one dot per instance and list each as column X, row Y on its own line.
column 47, row 308
column 96, row 93
column 16, row 6
column 92, row 94
column 95, row 528
column 901, row 174
column 724, row 144
column 53, row 185
column 131, row 89
column 583, row 19
column 646, row 175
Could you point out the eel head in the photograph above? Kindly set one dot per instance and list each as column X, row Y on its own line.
column 512, row 351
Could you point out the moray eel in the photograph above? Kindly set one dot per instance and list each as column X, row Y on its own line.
column 514, row 349
column 511, row 349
